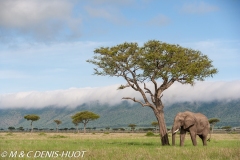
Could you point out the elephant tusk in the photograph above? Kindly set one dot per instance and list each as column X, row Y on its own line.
column 176, row 131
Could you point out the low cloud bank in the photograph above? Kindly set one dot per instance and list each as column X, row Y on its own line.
column 201, row 91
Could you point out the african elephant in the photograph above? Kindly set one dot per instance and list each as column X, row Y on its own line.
column 195, row 123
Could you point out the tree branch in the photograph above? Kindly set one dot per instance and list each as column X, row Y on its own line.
column 123, row 86
column 149, row 91
column 134, row 100
column 164, row 86
column 130, row 82
column 133, row 82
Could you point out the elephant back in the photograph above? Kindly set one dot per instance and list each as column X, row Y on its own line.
column 202, row 123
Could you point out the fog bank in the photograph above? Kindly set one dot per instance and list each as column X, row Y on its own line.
column 201, row 91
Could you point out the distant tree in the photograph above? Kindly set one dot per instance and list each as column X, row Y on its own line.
column 121, row 129
column 213, row 121
column 107, row 128
column 20, row 129
column 11, row 128
column 32, row 117
column 88, row 128
column 84, row 117
column 58, row 122
column 72, row 128
column 227, row 128
column 155, row 124
column 132, row 126
column 158, row 63
column 76, row 123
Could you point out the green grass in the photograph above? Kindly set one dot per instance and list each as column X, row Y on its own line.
column 120, row 146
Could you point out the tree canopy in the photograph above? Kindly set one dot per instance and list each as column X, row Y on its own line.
column 84, row 117
column 213, row 121
column 227, row 128
column 58, row 122
column 132, row 126
column 11, row 128
column 153, row 61
column 155, row 123
column 32, row 117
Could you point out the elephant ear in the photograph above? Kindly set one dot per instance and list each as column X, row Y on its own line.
column 189, row 121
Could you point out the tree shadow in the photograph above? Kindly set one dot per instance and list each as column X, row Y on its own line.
column 135, row 143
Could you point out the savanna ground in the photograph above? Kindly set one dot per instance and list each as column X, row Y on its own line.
column 122, row 146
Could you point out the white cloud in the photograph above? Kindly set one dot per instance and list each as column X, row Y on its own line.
column 99, row 12
column 41, row 19
column 202, row 91
column 159, row 20
column 198, row 8
column 111, row 14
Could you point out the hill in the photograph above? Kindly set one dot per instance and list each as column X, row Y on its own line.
column 121, row 115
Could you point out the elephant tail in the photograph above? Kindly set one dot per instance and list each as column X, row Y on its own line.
column 209, row 139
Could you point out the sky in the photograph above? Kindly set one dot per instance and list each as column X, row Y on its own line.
column 44, row 45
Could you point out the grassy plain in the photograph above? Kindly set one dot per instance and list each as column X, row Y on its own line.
column 117, row 146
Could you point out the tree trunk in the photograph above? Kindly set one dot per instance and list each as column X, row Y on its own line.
column 31, row 127
column 84, row 128
column 162, row 125
column 77, row 129
column 212, row 128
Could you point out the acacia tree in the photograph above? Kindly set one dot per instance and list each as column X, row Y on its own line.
column 58, row 122
column 32, row 117
column 213, row 121
column 154, row 60
column 227, row 128
column 11, row 128
column 76, row 122
column 132, row 126
column 155, row 124
column 84, row 117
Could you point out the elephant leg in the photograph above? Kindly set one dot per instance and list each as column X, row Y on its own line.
column 182, row 137
column 204, row 139
column 193, row 137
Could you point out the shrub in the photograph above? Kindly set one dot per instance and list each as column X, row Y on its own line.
column 58, row 136
column 150, row 133
column 42, row 134
column 9, row 134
